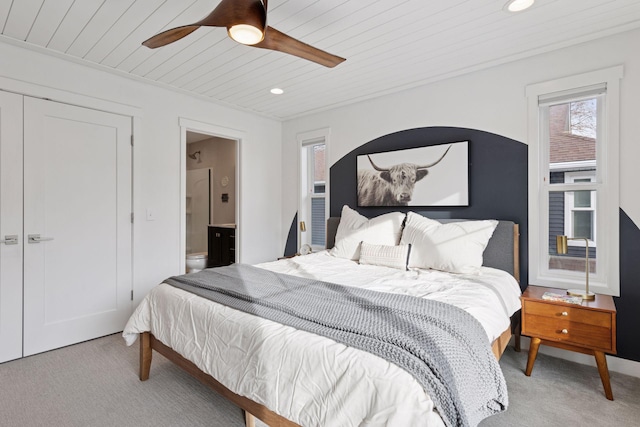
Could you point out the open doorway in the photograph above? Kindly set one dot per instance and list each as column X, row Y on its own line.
column 210, row 198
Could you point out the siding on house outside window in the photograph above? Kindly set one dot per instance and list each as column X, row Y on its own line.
column 318, row 221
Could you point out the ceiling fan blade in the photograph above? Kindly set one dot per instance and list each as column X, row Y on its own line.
column 226, row 14
column 170, row 36
column 275, row 40
column 251, row 14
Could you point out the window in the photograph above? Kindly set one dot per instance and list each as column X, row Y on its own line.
column 313, row 207
column 573, row 180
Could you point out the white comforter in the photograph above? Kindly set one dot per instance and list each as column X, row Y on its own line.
column 308, row 379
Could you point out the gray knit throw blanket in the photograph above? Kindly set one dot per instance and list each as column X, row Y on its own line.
column 443, row 347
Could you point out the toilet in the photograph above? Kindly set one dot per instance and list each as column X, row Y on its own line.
column 196, row 262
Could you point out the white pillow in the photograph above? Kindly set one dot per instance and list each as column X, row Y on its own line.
column 355, row 228
column 386, row 256
column 455, row 247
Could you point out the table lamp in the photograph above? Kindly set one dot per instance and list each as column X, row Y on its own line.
column 562, row 249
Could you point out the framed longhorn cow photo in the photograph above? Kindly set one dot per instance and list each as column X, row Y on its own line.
column 437, row 175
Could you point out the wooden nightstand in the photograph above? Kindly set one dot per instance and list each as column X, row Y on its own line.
column 589, row 328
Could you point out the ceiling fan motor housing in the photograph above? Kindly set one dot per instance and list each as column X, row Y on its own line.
column 241, row 12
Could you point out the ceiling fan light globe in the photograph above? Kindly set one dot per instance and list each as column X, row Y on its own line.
column 518, row 5
column 246, row 34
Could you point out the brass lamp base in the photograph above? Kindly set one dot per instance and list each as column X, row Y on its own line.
column 589, row 296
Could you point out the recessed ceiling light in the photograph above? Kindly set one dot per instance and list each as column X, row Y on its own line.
column 277, row 91
column 518, row 5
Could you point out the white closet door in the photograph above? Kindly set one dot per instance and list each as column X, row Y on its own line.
column 77, row 199
column 10, row 225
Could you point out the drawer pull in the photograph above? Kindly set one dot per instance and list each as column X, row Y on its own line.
column 564, row 331
column 564, row 313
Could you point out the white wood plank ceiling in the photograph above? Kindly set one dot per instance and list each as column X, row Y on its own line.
column 390, row 45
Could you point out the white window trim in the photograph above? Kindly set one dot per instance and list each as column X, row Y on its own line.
column 608, row 221
column 569, row 166
column 305, row 139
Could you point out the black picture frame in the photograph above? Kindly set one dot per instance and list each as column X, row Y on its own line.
column 436, row 175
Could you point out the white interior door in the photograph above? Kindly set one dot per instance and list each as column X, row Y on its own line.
column 10, row 226
column 77, row 206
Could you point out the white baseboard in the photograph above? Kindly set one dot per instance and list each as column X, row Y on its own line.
column 615, row 364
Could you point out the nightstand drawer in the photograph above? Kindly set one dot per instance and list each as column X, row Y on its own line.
column 564, row 313
column 580, row 334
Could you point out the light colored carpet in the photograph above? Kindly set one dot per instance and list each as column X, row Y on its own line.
column 563, row 393
column 95, row 384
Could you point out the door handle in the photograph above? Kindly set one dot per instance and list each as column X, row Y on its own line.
column 35, row 238
column 10, row 239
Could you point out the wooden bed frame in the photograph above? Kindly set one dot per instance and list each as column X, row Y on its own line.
column 253, row 410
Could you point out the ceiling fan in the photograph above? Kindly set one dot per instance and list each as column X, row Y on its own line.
column 246, row 23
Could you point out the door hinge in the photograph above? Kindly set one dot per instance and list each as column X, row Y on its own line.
column 131, row 217
column 132, row 140
column 131, row 294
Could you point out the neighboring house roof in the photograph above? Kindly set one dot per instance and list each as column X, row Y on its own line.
column 564, row 145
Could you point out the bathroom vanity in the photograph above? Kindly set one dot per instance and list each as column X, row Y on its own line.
column 222, row 245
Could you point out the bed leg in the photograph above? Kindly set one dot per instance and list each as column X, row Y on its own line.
column 516, row 326
column 249, row 420
column 145, row 355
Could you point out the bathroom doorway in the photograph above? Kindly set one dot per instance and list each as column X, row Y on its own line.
column 210, row 196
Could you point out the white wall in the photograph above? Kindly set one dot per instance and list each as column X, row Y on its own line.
column 491, row 100
column 219, row 154
column 157, row 154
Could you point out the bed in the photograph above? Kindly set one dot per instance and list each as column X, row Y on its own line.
column 287, row 377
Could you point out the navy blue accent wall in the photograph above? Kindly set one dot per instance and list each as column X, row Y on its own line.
column 498, row 178
column 627, row 305
column 498, row 189
column 292, row 239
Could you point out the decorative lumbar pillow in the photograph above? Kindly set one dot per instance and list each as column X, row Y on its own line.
column 386, row 256
column 355, row 228
column 455, row 247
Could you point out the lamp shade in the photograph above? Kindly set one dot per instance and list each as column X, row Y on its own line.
column 561, row 245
